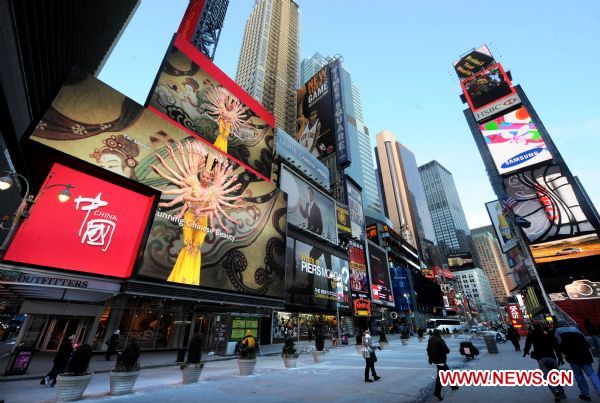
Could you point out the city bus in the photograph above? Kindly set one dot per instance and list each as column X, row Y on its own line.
column 449, row 324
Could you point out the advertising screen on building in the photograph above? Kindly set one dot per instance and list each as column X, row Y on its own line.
column 461, row 260
column 355, row 206
column 359, row 279
column 291, row 151
column 343, row 219
column 486, row 87
column 546, row 204
column 473, row 62
column 321, row 115
column 315, row 278
column 379, row 273
column 401, row 288
column 193, row 92
column 308, row 208
column 506, row 238
column 514, row 141
column 515, row 316
column 215, row 213
column 97, row 230
column 569, row 248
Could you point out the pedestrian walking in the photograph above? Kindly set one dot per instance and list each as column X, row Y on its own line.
column 369, row 356
column 546, row 353
column 61, row 359
column 112, row 344
column 310, row 333
column 437, row 351
column 577, row 353
column 514, row 338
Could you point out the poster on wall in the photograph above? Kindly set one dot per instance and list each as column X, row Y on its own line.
column 308, row 208
column 505, row 236
column 461, row 260
column 546, row 204
column 343, row 219
column 359, row 279
column 218, row 224
column 473, row 62
column 514, row 141
column 564, row 249
column 355, row 206
column 379, row 273
column 97, row 230
column 315, row 278
column 194, row 93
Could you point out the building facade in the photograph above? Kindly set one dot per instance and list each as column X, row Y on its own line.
column 477, row 287
column 449, row 221
column 202, row 24
column 493, row 262
column 269, row 58
column 361, row 167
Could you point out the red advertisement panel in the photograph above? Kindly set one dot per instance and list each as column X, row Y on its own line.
column 516, row 318
column 97, row 230
column 190, row 19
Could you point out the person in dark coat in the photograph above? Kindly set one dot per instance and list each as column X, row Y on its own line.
column 112, row 343
column 437, row 351
column 546, row 353
column 594, row 332
column 514, row 338
column 359, row 336
column 576, row 350
column 61, row 359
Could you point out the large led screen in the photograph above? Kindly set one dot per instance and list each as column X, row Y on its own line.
column 218, row 225
column 473, row 62
column 486, row 87
column 546, row 204
column 97, row 230
column 309, row 208
column 381, row 285
column 504, row 234
column 514, row 141
column 193, row 92
column 355, row 206
column 359, row 279
column 315, row 278
column 569, row 248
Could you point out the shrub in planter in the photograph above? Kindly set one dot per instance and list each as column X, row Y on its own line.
column 420, row 335
column 383, row 341
column 319, row 344
column 192, row 368
column 126, row 371
column 289, row 354
column 404, row 337
column 71, row 385
column 247, row 360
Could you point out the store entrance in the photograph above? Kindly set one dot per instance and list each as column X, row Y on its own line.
column 56, row 329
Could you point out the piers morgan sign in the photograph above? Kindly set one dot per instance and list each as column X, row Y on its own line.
column 98, row 230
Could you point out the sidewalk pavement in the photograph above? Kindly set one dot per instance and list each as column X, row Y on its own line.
column 42, row 362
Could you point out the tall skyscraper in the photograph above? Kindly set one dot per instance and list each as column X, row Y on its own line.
column 449, row 221
column 269, row 58
column 404, row 198
column 492, row 261
column 361, row 168
column 476, row 285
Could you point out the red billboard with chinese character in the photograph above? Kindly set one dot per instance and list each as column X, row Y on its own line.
column 516, row 318
column 97, row 230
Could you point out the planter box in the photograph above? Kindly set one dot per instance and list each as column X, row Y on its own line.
column 190, row 373
column 318, row 355
column 404, row 341
column 122, row 382
column 289, row 360
column 70, row 388
column 246, row 366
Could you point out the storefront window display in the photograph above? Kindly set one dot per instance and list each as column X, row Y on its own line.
column 284, row 324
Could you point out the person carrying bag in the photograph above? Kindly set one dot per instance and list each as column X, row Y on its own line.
column 369, row 356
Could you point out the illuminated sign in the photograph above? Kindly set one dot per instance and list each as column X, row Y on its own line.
column 473, row 62
column 99, row 230
column 515, row 316
column 504, row 234
column 343, row 219
column 362, row 307
column 381, row 285
column 487, row 89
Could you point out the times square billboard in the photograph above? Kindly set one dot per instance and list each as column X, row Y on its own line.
column 322, row 122
column 219, row 224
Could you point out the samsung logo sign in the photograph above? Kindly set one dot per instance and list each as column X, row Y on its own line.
column 521, row 158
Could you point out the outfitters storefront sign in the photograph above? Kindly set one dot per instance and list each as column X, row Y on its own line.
column 98, row 230
column 315, row 278
column 219, row 225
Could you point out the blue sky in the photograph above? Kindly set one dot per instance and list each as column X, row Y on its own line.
column 400, row 56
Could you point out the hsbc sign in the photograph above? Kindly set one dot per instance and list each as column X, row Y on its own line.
column 496, row 106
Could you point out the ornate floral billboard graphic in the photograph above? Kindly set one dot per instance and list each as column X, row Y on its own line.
column 218, row 224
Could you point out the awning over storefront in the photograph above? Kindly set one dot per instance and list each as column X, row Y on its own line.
column 18, row 284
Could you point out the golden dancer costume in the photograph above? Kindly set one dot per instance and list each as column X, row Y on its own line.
column 204, row 198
